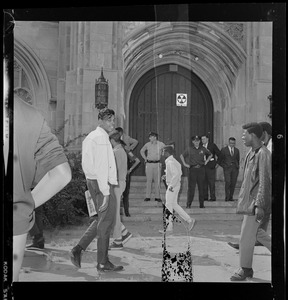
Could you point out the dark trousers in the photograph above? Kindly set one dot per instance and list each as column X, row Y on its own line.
column 37, row 230
column 230, row 176
column 209, row 181
column 102, row 226
column 125, row 195
column 196, row 176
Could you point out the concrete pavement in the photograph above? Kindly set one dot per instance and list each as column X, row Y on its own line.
column 213, row 259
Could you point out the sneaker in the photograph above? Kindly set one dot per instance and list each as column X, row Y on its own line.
column 242, row 274
column 37, row 244
column 168, row 232
column 115, row 246
column 109, row 267
column 191, row 224
column 234, row 245
column 126, row 237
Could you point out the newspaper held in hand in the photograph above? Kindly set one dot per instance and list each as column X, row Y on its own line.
column 90, row 204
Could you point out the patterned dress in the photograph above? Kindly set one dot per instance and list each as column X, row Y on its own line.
column 176, row 267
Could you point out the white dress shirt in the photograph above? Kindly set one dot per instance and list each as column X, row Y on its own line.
column 98, row 161
column 173, row 172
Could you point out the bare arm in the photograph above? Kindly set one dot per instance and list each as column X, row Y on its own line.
column 136, row 163
column 52, row 183
column 183, row 161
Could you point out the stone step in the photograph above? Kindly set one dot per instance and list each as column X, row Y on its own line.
column 145, row 217
column 139, row 202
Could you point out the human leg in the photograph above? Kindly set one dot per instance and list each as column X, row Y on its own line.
column 156, row 179
column 149, row 177
column 118, row 190
column 262, row 236
column 211, row 175
column 36, row 231
column 247, row 241
column 191, row 186
column 105, row 226
column 200, row 180
column 227, row 178
column 206, row 184
column 125, row 197
column 234, row 176
column 19, row 242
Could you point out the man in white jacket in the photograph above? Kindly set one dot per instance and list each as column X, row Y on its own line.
column 173, row 179
column 98, row 163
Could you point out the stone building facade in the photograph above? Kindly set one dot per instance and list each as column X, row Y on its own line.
column 224, row 69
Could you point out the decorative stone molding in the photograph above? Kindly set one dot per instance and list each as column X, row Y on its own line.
column 235, row 30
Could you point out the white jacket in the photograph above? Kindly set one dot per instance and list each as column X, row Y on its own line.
column 98, row 161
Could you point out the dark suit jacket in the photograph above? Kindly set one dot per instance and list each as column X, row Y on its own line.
column 226, row 160
column 215, row 152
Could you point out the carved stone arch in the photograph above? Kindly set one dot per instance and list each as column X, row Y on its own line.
column 203, row 47
column 35, row 73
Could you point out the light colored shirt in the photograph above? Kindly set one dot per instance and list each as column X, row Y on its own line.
column 121, row 162
column 173, row 172
column 129, row 141
column 269, row 145
column 153, row 150
column 98, row 161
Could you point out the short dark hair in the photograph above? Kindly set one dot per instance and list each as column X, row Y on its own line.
column 119, row 129
column 266, row 127
column 254, row 128
column 115, row 135
column 170, row 149
column 105, row 113
column 232, row 139
column 152, row 133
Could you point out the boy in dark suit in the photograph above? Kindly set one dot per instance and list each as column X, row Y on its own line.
column 229, row 161
column 210, row 168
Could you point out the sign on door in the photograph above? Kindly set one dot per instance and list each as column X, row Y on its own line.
column 181, row 99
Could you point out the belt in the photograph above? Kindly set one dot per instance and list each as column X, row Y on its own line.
column 196, row 166
column 153, row 161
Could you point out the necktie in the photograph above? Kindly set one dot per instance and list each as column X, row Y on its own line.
column 232, row 152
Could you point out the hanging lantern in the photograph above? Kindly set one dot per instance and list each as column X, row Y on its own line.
column 101, row 92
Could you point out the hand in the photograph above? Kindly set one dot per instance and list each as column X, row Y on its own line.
column 259, row 212
column 128, row 172
column 163, row 177
column 171, row 189
column 187, row 166
column 104, row 205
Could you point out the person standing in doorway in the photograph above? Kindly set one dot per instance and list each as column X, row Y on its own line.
column 254, row 200
column 99, row 166
column 151, row 153
column 120, row 233
column 130, row 143
column 195, row 159
column 210, row 168
column 229, row 161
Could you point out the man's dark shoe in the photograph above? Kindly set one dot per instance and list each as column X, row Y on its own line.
column 158, row 200
column 147, row 199
column 109, row 267
column 202, row 206
column 37, row 244
column 75, row 256
column 212, row 200
column 242, row 274
column 127, row 215
column 258, row 244
column 234, row 245
column 188, row 206
column 231, row 200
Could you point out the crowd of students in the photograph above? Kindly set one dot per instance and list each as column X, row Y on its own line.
column 107, row 162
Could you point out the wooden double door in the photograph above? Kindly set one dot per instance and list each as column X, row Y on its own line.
column 153, row 108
